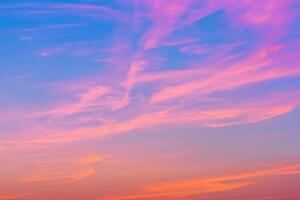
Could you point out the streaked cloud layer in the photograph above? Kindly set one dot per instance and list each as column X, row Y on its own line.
column 149, row 99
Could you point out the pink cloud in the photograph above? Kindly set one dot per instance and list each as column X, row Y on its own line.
column 259, row 66
column 263, row 15
column 87, row 99
column 164, row 16
column 193, row 80
column 243, row 112
column 57, row 175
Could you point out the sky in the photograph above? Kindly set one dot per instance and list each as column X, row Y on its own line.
column 149, row 99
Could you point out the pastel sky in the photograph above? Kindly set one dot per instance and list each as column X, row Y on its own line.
column 149, row 99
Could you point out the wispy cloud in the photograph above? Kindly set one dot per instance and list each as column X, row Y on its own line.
column 59, row 175
column 90, row 160
column 100, row 69
column 187, row 188
column 243, row 112
column 89, row 10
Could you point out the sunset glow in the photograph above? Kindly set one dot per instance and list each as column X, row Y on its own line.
column 150, row 100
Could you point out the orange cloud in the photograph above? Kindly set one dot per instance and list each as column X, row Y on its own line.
column 90, row 160
column 186, row 188
column 9, row 197
column 62, row 175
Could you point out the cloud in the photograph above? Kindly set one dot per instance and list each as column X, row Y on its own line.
column 90, row 160
column 258, row 67
column 158, row 64
column 167, row 17
column 70, row 176
column 262, row 15
column 87, row 100
column 187, row 192
column 9, row 197
column 218, row 115
column 88, row 10
column 193, row 187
